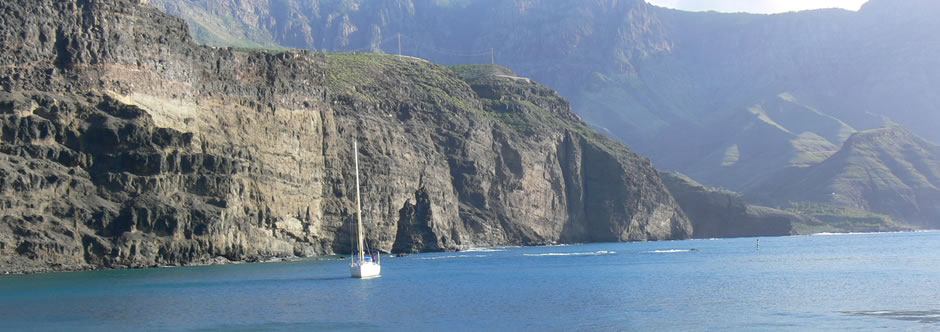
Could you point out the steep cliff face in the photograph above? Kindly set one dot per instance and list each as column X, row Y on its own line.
column 124, row 144
column 716, row 213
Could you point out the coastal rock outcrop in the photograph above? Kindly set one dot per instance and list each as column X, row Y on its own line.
column 125, row 144
column 718, row 213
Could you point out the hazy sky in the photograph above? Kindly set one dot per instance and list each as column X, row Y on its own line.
column 757, row 6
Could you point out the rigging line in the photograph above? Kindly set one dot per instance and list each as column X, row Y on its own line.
column 486, row 50
column 352, row 244
column 371, row 47
column 451, row 53
column 415, row 45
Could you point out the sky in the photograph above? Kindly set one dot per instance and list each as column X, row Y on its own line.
column 757, row 6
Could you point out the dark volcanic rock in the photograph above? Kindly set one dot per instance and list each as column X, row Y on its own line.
column 124, row 144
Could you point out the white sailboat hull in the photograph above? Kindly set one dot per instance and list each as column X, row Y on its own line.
column 365, row 270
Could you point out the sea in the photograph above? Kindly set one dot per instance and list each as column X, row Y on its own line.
column 826, row 282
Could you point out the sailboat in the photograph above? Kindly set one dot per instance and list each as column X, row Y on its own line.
column 364, row 265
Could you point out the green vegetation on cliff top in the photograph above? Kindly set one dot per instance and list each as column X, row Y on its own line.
column 528, row 107
column 491, row 91
column 372, row 78
column 835, row 219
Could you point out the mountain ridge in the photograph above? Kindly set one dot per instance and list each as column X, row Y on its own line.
column 887, row 170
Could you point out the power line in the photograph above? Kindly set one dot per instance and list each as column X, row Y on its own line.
column 452, row 52
column 410, row 46
column 371, row 48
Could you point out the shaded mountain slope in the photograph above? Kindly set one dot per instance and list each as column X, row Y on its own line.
column 889, row 171
column 754, row 144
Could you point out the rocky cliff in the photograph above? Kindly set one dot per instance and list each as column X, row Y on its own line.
column 716, row 213
column 125, row 144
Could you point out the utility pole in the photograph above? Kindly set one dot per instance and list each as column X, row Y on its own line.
column 492, row 55
column 399, row 55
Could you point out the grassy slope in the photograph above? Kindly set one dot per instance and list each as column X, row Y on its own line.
column 531, row 108
column 835, row 219
column 537, row 107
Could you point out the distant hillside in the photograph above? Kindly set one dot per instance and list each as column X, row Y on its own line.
column 889, row 171
column 751, row 145
column 722, row 213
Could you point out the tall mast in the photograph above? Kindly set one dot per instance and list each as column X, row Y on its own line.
column 358, row 205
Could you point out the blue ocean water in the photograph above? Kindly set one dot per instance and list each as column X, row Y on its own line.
column 838, row 282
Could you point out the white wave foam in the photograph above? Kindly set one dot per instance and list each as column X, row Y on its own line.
column 847, row 233
column 866, row 233
column 455, row 256
column 595, row 253
column 482, row 249
column 669, row 251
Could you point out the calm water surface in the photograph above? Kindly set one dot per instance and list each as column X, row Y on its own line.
column 837, row 282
